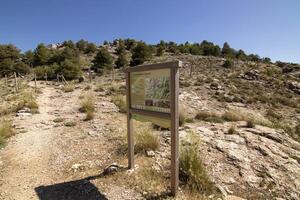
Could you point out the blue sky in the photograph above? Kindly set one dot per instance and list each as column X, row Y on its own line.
column 270, row 28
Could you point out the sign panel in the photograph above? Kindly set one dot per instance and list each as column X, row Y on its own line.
column 150, row 90
column 152, row 95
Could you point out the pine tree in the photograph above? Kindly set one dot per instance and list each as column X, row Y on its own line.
column 122, row 61
column 141, row 53
column 102, row 61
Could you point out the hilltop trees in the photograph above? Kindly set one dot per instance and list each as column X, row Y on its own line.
column 141, row 53
column 227, row 51
column 102, row 61
column 69, row 57
column 41, row 55
column 11, row 60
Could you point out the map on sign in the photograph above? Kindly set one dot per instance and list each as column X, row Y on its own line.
column 150, row 90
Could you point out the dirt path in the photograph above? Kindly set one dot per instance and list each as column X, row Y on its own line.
column 26, row 158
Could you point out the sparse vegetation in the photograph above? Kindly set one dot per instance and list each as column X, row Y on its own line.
column 58, row 120
column 192, row 170
column 27, row 99
column 68, row 87
column 88, row 106
column 146, row 139
column 6, row 130
column 250, row 123
column 120, row 101
column 209, row 117
column 70, row 124
column 232, row 130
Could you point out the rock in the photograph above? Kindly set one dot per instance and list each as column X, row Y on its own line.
column 111, row 169
column 150, row 153
column 215, row 86
column 222, row 190
column 77, row 167
column 231, row 197
column 24, row 110
column 294, row 86
column 250, row 75
column 23, row 114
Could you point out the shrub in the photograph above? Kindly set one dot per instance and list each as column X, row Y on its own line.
column 182, row 116
column 250, row 123
column 103, row 61
column 70, row 124
column 273, row 115
column 192, row 170
column 68, row 87
column 27, row 99
column 141, row 53
column 209, row 117
column 89, row 115
column 88, row 105
column 6, row 130
column 120, row 101
column 58, row 120
column 231, row 130
column 228, row 63
column 232, row 116
column 145, row 140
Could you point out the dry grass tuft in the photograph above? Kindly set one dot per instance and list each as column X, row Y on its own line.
column 146, row 140
column 192, row 170
column 120, row 101
column 88, row 105
column 6, row 130
column 68, row 87
column 209, row 117
column 27, row 99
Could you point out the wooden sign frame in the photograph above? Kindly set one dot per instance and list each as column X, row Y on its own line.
column 173, row 115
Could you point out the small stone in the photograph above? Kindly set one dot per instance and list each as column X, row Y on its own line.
column 150, row 153
column 111, row 169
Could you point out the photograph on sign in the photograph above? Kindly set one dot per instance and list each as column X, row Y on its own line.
column 150, row 90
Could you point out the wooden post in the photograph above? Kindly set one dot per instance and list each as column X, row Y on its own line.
column 57, row 78
column 174, row 131
column 129, row 125
column 35, row 82
column 16, row 82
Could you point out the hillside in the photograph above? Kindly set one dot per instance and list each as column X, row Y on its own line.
column 240, row 116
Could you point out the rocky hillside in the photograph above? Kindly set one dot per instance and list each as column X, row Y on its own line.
column 244, row 117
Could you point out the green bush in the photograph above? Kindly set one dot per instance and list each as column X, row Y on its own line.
column 103, row 61
column 228, row 63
